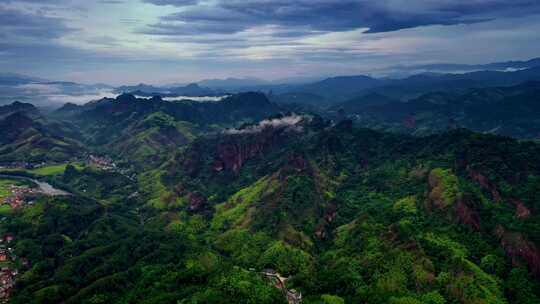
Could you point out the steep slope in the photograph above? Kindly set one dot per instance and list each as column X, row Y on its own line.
column 510, row 111
column 16, row 106
column 151, row 140
column 339, row 213
column 145, row 131
column 25, row 139
column 419, row 218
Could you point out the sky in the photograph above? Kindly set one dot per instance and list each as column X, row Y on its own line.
column 179, row 41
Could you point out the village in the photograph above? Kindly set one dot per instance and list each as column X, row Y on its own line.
column 20, row 195
column 102, row 162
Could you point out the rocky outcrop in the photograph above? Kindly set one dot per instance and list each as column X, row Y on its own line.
column 232, row 155
column 519, row 249
column 235, row 150
column 485, row 183
column 446, row 195
column 467, row 215
column 322, row 229
column 196, row 201
column 444, row 188
column 522, row 212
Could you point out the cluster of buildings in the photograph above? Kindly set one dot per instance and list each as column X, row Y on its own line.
column 107, row 164
column 19, row 195
column 7, row 270
column 101, row 162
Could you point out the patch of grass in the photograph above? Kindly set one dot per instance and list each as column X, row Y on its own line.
column 445, row 187
column 233, row 211
column 5, row 209
column 53, row 169
column 406, row 205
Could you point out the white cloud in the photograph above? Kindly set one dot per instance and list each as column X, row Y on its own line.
column 39, row 88
column 59, row 99
column 289, row 122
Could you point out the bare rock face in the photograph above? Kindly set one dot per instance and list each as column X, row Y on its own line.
column 196, row 201
column 522, row 212
column 444, row 188
column 519, row 249
column 235, row 150
column 320, row 232
column 445, row 194
column 485, row 183
column 467, row 215
column 233, row 154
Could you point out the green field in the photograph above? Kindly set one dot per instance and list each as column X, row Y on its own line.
column 5, row 209
column 53, row 169
column 4, row 187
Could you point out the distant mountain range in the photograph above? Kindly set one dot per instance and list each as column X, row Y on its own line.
column 335, row 90
column 325, row 92
column 452, row 67
column 193, row 90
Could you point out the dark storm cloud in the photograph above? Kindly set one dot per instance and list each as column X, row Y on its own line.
column 229, row 16
column 35, row 1
column 172, row 2
column 18, row 25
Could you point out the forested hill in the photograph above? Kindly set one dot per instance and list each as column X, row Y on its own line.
column 511, row 111
column 345, row 214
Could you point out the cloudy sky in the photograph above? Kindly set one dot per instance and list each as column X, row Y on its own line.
column 165, row 41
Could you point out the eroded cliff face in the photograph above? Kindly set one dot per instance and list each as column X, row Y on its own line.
column 444, row 188
column 485, row 183
column 234, row 150
column 466, row 214
column 520, row 249
column 196, row 201
column 445, row 194
column 521, row 212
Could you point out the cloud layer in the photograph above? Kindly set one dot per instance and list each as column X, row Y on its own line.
column 157, row 41
column 305, row 16
column 290, row 123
